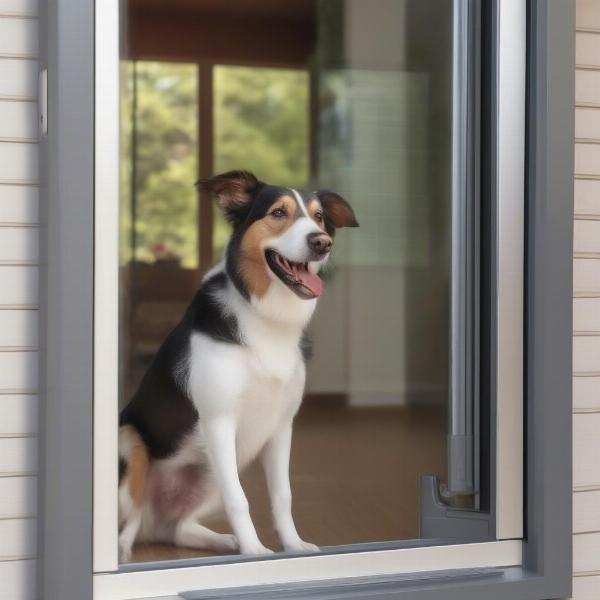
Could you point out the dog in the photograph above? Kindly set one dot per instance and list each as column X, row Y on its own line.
column 226, row 383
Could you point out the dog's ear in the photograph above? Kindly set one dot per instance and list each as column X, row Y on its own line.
column 233, row 191
column 338, row 213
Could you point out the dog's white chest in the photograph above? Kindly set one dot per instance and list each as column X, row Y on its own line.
column 259, row 414
column 255, row 384
column 274, row 388
column 275, row 358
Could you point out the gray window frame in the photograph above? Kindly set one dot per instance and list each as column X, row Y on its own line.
column 67, row 296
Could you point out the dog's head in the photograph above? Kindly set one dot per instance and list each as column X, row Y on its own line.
column 280, row 235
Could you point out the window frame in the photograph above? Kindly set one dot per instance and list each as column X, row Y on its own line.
column 68, row 174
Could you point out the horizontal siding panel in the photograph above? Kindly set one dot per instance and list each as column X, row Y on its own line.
column 587, row 123
column 18, row 414
column 19, row 327
column 18, row 162
column 586, row 356
column 19, row 7
column 587, row 49
column 586, row 450
column 586, row 315
column 587, row 197
column 587, row 159
column 587, row 236
column 17, row 538
column 586, row 552
column 19, row 204
column 586, row 588
column 19, row 285
column 17, row 580
column 586, row 512
column 18, row 496
column 20, row 244
column 18, row 78
column 18, row 37
column 586, row 393
column 586, row 275
column 588, row 15
column 587, row 86
column 19, row 120
column 18, row 455
column 18, row 370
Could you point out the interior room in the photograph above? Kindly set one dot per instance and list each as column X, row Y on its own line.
column 311, row 94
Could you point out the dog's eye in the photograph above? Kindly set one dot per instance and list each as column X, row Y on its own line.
column 279, row 213
column 318, row 216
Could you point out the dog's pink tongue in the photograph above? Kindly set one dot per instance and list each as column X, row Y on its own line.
column 310, row 281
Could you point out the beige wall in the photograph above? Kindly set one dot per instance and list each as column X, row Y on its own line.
column 586, row 307
column 18, row 296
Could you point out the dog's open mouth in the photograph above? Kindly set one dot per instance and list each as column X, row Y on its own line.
column 295, row 275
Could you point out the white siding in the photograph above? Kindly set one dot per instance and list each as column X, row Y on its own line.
column 588, row 15
column 588, row 49
column 18, row 37
column 18, row 78
column 587, row 192
column 18, row 328
column 586, row 511
column 586, row 276
column 18, row 370
column 19, row 120
column 587, row 159
column 18, row 497
column 18, row 245
column 586, row 588
column 587, row 235
column 586, row 314
column 586, row 442
column 17, row 579
column 18, row 415
column 19, row 7
column 586, row 396
column 587, row 87
column 586, row 354
column 586, row 307
column 587, row 123
column 18, row 163
column 19, row 256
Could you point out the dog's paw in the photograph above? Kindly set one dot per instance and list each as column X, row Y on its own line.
column 226, row 543
column 124, row 552
column 301, row 546
column 254, row 549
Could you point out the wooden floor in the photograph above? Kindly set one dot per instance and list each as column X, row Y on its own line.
column 355, row 474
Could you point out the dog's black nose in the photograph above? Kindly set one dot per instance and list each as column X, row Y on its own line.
column 320, row 243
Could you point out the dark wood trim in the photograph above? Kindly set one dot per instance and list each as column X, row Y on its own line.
column 162, row 35
column 313, row 123
column 205, row 164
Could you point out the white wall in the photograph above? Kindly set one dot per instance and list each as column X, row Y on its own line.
column 586, row 307
column 18, row 296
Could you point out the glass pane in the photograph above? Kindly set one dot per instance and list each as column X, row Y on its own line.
column 381, row 329
column 261, row 122
column 159, row 214
column 342, row 95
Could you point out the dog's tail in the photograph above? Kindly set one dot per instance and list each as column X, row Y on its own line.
column 134, row 463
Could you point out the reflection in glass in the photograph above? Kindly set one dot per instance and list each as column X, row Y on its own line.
column 347, row 95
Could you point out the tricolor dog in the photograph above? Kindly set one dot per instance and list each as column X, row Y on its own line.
column 226, row 383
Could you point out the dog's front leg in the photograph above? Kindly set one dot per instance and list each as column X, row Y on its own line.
column 276, row 463
column 220, row 437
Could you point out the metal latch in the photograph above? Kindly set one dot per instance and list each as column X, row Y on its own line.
column 43, row 101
